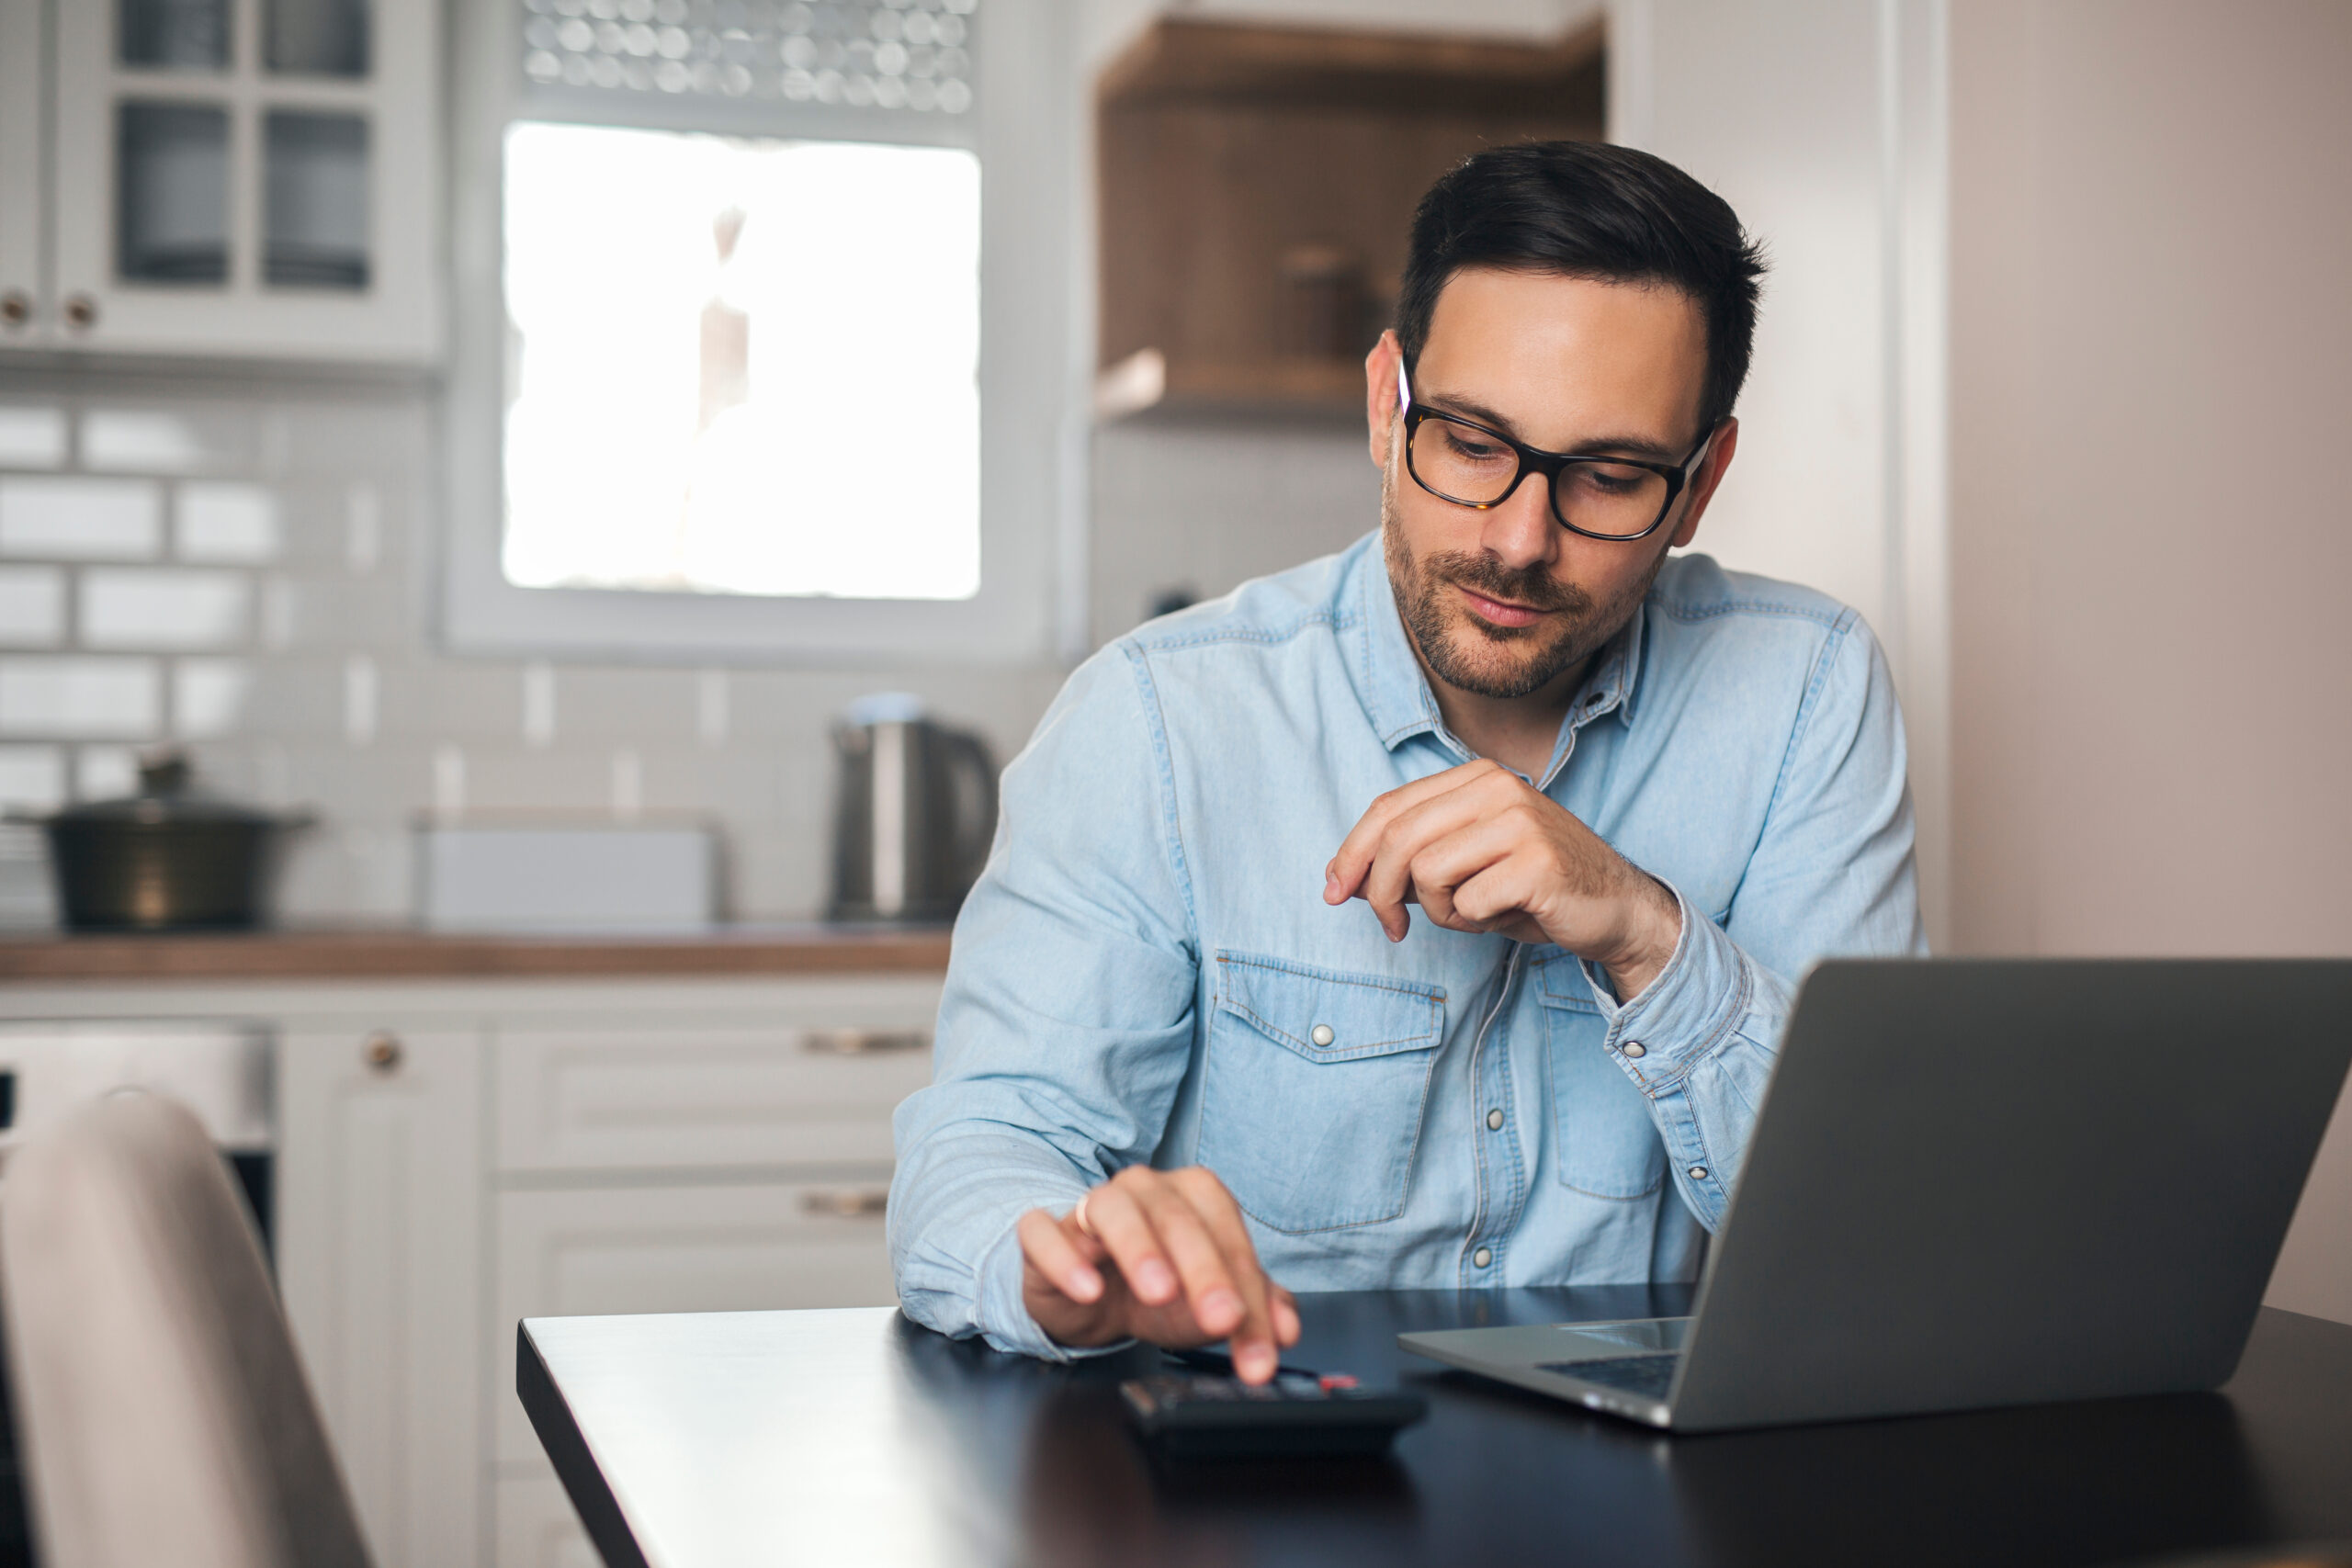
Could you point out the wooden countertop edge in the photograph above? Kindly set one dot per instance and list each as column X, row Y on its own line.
column 417, row 956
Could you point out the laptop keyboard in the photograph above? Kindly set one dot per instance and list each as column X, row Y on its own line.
column 1651, row 1376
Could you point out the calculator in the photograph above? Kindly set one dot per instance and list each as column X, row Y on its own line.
column 1294, row 1416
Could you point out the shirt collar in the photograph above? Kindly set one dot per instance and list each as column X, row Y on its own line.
column 1396, row 691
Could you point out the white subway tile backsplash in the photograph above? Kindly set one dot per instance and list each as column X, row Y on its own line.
column 208, row 696
column 32, row 778
column 162, row 608
column 81, row 519
column 33, row 607
column 106, row 773
column 448, row 780
column 221, row 522
column 167, row 441
column 71, row 697
column 359, row 691
column 363, row 528
column 278, row 613
column 539, row 704
column 32, row 438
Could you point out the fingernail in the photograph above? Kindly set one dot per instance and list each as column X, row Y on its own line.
column 1254, row 1362
column 1154, row 1282
column 1220, row 1310
column 1085, row 1284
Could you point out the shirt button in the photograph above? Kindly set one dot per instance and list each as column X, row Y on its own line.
column 1698, row 1173
column 1635, row 1048
column 1494, row 1120
column 1322, row 1035
column 1481, row 1257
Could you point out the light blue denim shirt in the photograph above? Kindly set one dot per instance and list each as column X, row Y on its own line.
column 1148, row 971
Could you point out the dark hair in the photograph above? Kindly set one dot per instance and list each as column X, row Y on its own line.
column 1588, row 209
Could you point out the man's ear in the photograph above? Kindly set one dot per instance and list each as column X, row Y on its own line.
column 1703, row 482
column 1380, row 393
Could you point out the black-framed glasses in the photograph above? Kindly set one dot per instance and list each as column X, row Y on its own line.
column 1464, row 462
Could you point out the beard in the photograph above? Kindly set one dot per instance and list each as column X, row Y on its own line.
column 1475, row 656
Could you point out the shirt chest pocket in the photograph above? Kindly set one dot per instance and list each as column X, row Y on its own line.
column 1313, row 1088
column 1604, row 1143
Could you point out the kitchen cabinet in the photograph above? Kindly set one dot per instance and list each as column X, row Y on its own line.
column 1254, row 188
column 249, row 179
column 456, row 1153
column 379, row 1222
column 20, row 162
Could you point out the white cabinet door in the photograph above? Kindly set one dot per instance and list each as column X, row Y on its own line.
column 379, row 1203
column 22, row 321
column 665, row 1248
column 683, row 1098
column 213, row 197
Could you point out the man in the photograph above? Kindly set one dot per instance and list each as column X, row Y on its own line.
column 1197, row 1039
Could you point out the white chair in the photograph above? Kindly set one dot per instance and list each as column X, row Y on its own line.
column 161, row 1416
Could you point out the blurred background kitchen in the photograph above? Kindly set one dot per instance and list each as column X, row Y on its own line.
column 659, row 426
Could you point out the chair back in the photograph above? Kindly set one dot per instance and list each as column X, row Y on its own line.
column 161, row 1413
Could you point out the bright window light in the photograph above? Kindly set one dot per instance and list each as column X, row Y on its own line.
column 741, row 366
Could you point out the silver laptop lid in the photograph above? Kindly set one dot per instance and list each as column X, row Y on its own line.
column 1982, row 1182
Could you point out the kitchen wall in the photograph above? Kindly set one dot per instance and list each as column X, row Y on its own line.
column 248, row 567
column 2152, row 702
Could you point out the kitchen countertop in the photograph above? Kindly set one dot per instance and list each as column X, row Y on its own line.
column 393, row 953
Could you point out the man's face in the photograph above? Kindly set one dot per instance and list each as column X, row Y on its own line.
column 1504, row 603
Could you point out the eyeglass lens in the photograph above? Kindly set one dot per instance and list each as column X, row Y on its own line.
column 1467, row 465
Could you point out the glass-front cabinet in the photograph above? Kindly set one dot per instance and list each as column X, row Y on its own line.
column 21, row 237
column 249, row 178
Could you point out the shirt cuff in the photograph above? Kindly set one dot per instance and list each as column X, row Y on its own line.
column 1687, row 1009
column 1005, row 1321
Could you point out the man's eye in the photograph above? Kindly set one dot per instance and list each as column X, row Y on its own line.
column 1608, row 478
column 1467, row 444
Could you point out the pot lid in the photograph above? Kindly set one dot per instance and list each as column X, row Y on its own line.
column 167, row 792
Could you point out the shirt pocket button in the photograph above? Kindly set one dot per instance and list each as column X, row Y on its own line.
column 1321, row 1034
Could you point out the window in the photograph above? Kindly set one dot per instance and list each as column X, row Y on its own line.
column 742, row 366
column 764, row 333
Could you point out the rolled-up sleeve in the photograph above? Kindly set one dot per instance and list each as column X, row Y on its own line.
column 1066, row 1026
column 1832, row 876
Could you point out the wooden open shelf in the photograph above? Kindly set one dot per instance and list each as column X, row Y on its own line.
column 1234, row 159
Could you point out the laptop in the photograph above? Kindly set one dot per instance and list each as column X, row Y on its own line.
column 1984, row 1182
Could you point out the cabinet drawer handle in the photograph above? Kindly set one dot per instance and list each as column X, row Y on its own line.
column 15, row 308
column 80, row 311
column 864, row 1042
column 846, row 1202
column 382, row 1052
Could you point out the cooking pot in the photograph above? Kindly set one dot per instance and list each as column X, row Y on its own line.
column 169, row 858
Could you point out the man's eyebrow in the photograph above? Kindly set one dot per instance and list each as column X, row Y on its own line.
column 1599, row 446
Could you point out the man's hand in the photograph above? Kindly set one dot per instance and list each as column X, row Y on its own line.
column 1482, row 851
column 1160, row 1256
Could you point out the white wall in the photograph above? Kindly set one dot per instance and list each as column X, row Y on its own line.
column 1821, row 121
column 2152, row 702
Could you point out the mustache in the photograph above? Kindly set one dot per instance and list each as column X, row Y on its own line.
column 1531, row 586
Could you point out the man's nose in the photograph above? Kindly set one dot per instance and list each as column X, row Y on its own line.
column 1519, row 531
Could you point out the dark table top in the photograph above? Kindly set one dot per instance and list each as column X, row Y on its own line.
column 689, row 1441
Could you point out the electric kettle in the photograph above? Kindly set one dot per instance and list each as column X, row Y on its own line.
column 914, row 814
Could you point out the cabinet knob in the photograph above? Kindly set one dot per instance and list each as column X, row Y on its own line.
column 15, row 308
column 80, row 311
column 382, row 1052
